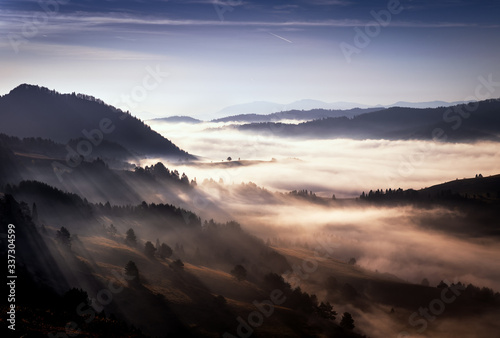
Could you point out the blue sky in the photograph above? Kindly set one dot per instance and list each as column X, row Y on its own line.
column 230, row 52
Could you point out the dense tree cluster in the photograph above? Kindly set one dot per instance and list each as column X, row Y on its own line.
column 160, row 172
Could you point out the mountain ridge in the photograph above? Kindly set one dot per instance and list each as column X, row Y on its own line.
column 35, row 111
column 266, row 107
column 451, row 123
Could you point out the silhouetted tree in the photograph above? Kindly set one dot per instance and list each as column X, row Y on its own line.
column 149, row 249
column 64, row 237
column 442, row 285
column 34, row 214
column 177, row 265
column 165, row 251
column 239, row 272
column 131, row 238
column 132, row 270
column 184, row 179
column 352, row 261
column 347, row 322
column 326, row 311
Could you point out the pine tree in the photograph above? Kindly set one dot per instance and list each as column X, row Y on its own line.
column 131, row 237
column 177, row 265
column 165, row 251
column 132, row 270
column 347, row 322
column 326, row 311
column 64, row 237
column 149, row 249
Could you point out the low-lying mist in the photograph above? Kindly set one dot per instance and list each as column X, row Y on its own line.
column 343, row 167
column 404, row 241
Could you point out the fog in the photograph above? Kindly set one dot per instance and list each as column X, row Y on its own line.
column 392, row 244
column 396, row 240
column 342, row 167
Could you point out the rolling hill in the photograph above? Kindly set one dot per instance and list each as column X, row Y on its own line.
column 299, row 115
column 32, row 111
column 480, row 121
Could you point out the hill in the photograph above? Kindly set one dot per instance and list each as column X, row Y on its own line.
column 480, row 121
column 32, row 111
column 265, row 107
column 177, row 119
column 299, row 115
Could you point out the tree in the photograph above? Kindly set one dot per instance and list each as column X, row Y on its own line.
column 132, row 270
column 347, row 322
column 177, row 265
column 442, row 285
column 326, row 311
column 239, row 272
column 352, row 261
column 149, row 249
column 229, row 158
column 165, row 251
column 64, row 237
column 112, row 230
column 34, row 214
column 131, row 238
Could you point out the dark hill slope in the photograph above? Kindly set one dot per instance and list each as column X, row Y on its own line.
column 32, row 111
column 457, row 123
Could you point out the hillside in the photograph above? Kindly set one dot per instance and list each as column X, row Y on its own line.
column 177, row 119
column 32, row 111
column 457, row 123
column 299, row 115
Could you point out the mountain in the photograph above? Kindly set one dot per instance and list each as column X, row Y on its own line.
column 429, row 104
column 265, row 107
column 459, row 122
column 33, row 111
column 299, row 115
column 177, row 119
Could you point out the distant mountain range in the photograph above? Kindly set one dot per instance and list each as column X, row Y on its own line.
column 33, row 111
column 303, row 110
column 458, row 122
column 265, row 107
column 299, row 115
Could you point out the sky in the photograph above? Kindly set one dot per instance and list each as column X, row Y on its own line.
column 195, row 57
